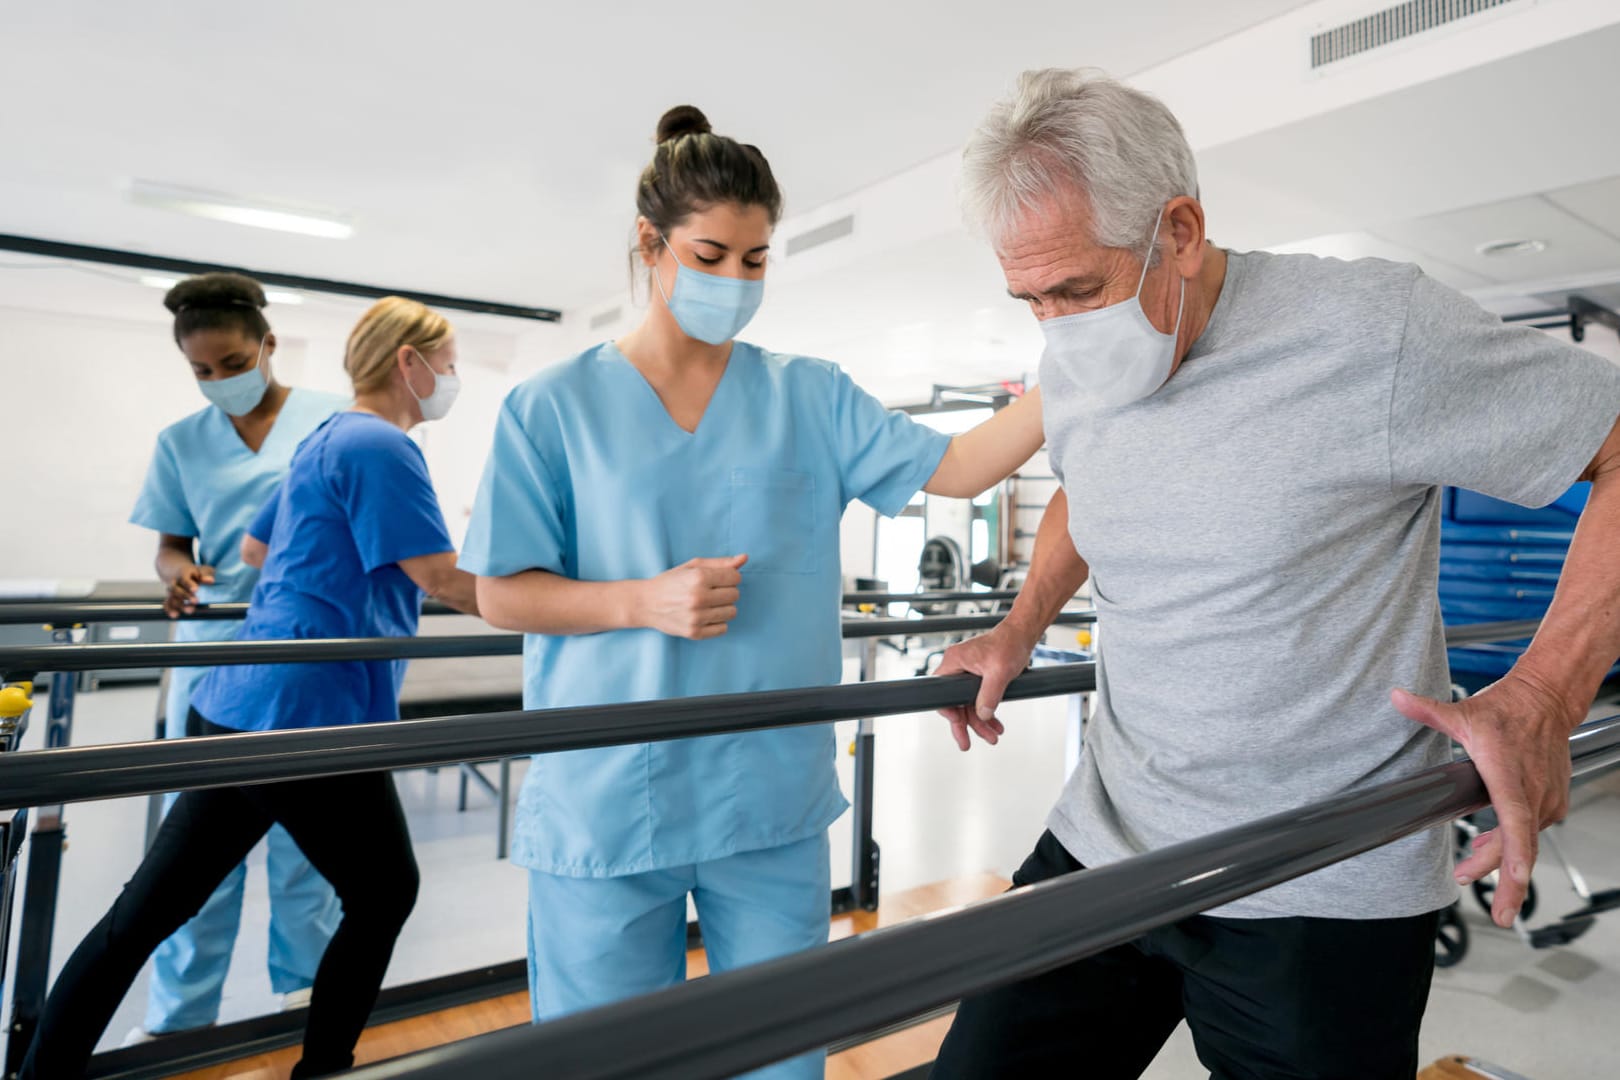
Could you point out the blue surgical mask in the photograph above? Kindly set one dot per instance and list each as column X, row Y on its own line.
column 239, row 394
column 708, row 307
column 1115, row 354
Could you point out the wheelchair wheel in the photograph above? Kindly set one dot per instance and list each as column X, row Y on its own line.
column 1451, row 938
column 1485, row 893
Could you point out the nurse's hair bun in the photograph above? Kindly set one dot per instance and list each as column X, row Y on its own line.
column 215, row 291
column 683, row 120
column 217, row 301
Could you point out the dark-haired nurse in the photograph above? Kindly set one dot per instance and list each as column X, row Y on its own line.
column 210, row 474
column 660, row 515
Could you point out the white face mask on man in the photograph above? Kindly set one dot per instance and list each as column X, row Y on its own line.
column 1115, row 354
column 436, row 406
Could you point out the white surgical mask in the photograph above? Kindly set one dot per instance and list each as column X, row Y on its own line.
column 239, row 394
column 445, row 388
column 1115, row 354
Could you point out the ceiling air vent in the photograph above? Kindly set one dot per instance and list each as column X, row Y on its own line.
column 606, row 318
column 821, row 234
column 1390, row 25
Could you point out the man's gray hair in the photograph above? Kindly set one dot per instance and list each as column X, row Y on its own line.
column 1077, row 130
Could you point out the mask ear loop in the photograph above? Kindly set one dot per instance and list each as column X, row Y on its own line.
column 431, row 372
column 1147, row 257
column 658, row 278
column 1181, row 304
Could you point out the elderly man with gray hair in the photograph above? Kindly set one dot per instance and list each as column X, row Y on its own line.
column 1252, row 449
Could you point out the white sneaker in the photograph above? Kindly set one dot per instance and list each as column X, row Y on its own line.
column 296, row 999
column 139, row 1035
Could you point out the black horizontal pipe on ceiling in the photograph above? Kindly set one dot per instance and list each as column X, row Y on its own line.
column 57, row 249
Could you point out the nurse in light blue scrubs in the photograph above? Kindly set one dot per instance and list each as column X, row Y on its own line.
column 211, row 473
column 660, row 515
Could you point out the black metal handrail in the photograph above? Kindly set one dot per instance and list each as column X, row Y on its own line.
column 725, row 1024
column 114, row 656
column 119, row 656
column 979, row 595
column 86, row 612
column 80, row 773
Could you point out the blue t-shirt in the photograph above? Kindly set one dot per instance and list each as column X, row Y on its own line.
column 204, row 482
column 357, row 500
column 591, row 479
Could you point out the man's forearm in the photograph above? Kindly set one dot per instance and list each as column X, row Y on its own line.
column 1580, row 637
column 1056, row 572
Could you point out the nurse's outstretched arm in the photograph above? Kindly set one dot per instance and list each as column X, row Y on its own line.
column 695, row 600
column 991, row 452
column 439, row 577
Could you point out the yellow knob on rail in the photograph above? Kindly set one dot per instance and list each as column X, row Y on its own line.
column 14, row 702
column 1084, row 639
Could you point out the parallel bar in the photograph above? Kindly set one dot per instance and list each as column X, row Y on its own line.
column 945, row 624
column 140, row 260
column 76, row 612
column 728, row 1023
column 84, row 612
column 1479, row 633
column 113, row 657
column 928, row 597
column 117, row 656
column 76, row 774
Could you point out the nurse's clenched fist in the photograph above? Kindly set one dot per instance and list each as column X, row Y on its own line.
column 695, row 600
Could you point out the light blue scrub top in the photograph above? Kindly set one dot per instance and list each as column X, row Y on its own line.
column 204, row 482
column 591, row 479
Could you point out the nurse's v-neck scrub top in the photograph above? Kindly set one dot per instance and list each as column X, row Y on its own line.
column 591, row 479
column 205, row 482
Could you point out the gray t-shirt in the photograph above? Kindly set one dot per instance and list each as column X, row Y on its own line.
column 1263, row 534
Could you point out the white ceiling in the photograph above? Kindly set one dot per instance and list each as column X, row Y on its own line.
column 1540, row 121
column 490, row 149
column 501, row 165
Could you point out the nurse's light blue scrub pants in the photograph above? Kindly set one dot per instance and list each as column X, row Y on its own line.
column 593, row 941
column 189, row 969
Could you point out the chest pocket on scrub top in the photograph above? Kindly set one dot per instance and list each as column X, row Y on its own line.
column 773, row 520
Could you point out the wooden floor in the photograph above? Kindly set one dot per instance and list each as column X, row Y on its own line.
column 870, row 1061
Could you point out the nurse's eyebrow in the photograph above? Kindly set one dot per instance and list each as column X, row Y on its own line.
column 724, row 247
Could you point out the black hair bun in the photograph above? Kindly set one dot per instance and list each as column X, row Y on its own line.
column 215, row 292
column 683, row 120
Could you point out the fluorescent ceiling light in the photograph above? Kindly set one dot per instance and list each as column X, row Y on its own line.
column 1512, row 247
column 274, row 296
column 305, row 221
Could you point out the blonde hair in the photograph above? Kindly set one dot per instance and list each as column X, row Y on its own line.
column 391, row 322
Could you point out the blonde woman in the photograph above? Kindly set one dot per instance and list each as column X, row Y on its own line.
column 349, row 546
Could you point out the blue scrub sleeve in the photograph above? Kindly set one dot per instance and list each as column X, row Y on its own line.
column 162, row 502
column 884, row 457
column 382, row 482
column 264, row 522
column 519, row 517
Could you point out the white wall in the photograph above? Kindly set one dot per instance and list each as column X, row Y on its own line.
column 85, row 400
column 86, row 396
